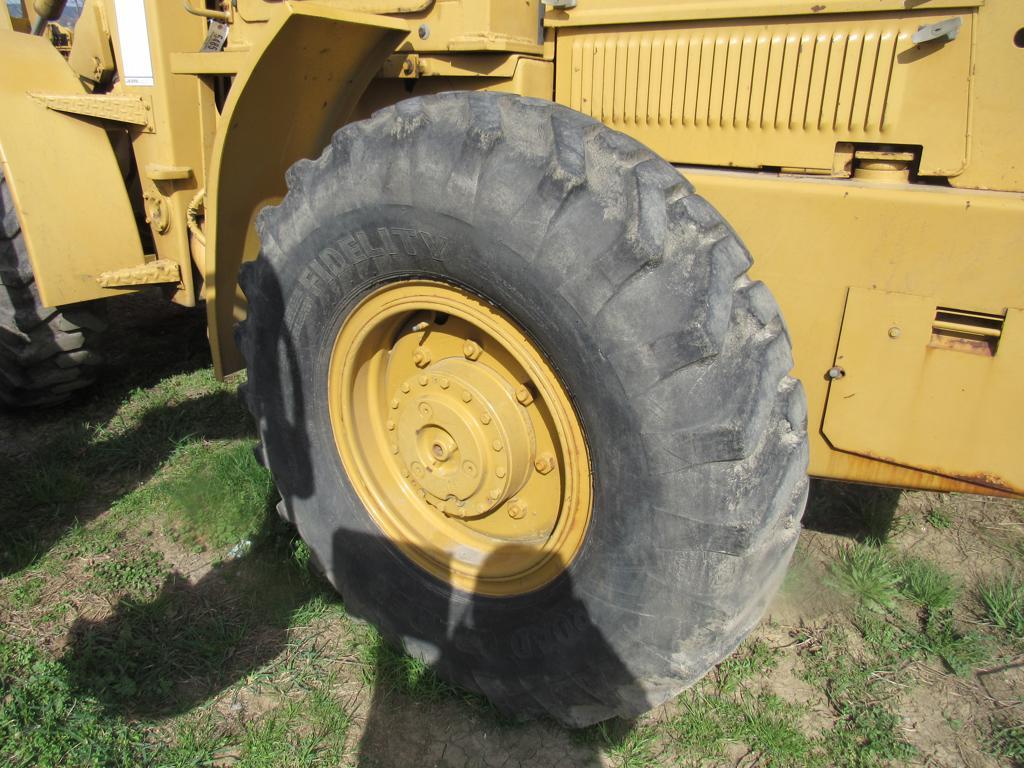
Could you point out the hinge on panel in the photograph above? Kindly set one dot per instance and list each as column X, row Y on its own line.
column 151, row 273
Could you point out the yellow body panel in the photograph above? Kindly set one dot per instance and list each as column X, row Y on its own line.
column 49, row 160
column 814, row 240
column 907, row 399
column 594, row 12
column 775, row 93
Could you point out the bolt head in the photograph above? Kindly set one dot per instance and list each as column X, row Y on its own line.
column 895, row 332
column 423, row 31
column 496, row 445
column 524, row 396
column 835, row 372
column 444, row 383
column 544, row 463
column 421, row 357
column 471, row 350
column 466, row 395
column 423, row 381
column 485, row 418
column 390, row 425
column 516, row 509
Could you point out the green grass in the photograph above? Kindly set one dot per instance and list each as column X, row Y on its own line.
column 866, row 732
column 45, row 721
column 730, row 709
column 215, row 495
column 1003, row 599
column 927, row 585
column 867, row 572
column 1005, row 740
column 394, row 670
column 938, row 519
column 137, row 575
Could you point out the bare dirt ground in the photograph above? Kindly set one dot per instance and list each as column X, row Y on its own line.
column 153, row 610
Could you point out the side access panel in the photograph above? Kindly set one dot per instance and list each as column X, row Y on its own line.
column 930, row 387
column 71, row 199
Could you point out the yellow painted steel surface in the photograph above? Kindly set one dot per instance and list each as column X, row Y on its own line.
column 907, row 398
column 459, row 438
column 775, row 92
column 49, row 160
column 601, row 12
column 269, row 117
column 815, row 239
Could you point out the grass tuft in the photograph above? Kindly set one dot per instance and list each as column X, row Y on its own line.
column 1005, row 740
column 866, row 572
column 1003, row 599
column 923, row 583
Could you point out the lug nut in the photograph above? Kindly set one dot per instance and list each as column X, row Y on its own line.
column 524, row 396
column 516, row 509
column 544, row 463
column 471, row 350
column 421, row 357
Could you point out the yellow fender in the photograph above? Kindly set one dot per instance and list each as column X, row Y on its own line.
column 54, row 163
column 289, row 97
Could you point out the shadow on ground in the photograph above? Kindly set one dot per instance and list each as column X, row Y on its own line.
column 57, row 470
column 859, row 512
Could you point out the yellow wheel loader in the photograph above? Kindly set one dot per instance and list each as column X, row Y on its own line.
column 488, row 265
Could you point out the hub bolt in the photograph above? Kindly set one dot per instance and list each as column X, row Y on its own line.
column 544, row 463
column 517, row 509
column 524, row 396
column 471, row 350
column 421, row 357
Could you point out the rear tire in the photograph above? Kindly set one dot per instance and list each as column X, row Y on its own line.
column 636, row 291
column 46, row 353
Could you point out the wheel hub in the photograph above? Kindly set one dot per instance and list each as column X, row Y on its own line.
column 458, row 438
column 461, row 438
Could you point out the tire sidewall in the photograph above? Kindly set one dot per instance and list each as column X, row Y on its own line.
column 554, row 627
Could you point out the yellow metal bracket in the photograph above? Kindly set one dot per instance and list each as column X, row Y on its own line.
column 133, row 110
column 152, row 273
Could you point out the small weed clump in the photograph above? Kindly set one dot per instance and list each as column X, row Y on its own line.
column 137, row 575
column 925, row 584
column 938, row 519
column 867, row 572
column 1003, row 599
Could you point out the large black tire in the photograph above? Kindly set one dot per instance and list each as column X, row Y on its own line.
column 636, row 291
column 46, row 353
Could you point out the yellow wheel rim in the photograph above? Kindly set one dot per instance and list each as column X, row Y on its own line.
column 459, row 438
